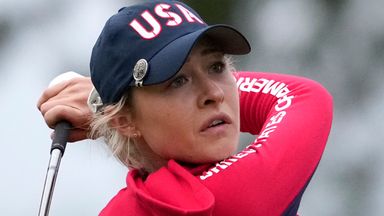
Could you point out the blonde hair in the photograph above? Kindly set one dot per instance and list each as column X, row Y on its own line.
column 121, row 145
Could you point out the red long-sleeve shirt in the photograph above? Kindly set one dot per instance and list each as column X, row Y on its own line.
column 292, row 117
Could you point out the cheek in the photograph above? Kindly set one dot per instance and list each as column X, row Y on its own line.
column 154, row 119
column 164, row 125
column 232, row 97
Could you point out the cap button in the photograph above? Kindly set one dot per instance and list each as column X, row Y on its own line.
column 139, row 72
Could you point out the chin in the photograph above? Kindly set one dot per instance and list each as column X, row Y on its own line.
column 215, row 153
column 213, row 158
column 219, row 155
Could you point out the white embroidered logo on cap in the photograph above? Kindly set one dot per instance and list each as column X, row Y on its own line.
column 163, row 11
column 139, row 72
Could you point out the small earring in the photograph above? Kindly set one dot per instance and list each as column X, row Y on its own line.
column 136, row 135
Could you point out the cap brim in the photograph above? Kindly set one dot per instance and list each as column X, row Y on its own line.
column 168, row 61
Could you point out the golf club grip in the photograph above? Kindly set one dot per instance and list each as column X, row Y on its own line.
column 61, row 134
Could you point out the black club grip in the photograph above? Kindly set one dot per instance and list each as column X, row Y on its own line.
column 61, row 134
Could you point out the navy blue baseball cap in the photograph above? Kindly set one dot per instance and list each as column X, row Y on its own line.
column 148, row 43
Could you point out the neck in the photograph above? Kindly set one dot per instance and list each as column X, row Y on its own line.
column 149, row 161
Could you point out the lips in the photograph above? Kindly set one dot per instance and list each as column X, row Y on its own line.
column 216, row 121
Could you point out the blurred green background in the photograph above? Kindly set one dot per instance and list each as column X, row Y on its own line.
column 339, row 43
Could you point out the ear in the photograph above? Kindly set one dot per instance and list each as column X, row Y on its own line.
column 124, row 125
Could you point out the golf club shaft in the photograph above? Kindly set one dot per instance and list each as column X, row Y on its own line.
column 50, row 180
column 57, row 151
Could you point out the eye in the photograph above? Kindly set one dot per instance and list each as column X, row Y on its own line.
column 179, row 81
column 217, row 67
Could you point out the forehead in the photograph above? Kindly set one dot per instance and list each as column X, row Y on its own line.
column 207, row 41
column 204, row 51
column 205, row 47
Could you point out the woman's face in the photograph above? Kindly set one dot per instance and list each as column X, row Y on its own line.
column 193, row 117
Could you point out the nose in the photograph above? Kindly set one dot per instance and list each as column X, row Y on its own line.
column 211, row 93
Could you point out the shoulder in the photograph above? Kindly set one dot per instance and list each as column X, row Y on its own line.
column 172, row 190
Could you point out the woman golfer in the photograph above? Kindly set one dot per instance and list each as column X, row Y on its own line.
column 171, row 107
